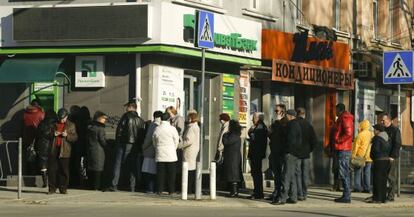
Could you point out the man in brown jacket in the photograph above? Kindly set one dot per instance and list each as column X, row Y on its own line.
column 65, row 136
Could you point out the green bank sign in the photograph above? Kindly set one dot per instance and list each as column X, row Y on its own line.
column 233, row 41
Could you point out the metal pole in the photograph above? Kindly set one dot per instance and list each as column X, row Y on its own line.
column 399, row 159
column 213, row 180
column 184, row 181
column 199, row 175
column 19, row 178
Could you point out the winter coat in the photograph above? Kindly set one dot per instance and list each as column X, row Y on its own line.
column 362, row 143
column 44, row 138
column 131, row 129
column 309, row 140
column 148, row 149
column 257, row 141
column 294, row 138
column 224, row 129
column 394, row 136
column 191, row 145
column 32, row 117
column 66, row 147
column 232, row 156
column 97, row 143
column 381, row 147
column 278, row 137
column 344, row 132
column 179, row 123
column 165, row 140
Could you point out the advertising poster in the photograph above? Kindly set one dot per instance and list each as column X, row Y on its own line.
column 89, row 71
column 228, row 94
column 244, row 98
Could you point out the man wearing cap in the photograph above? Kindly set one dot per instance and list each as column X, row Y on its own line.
column 343, row 135
column 64, row 136
column 291, row 153
column 130, row 135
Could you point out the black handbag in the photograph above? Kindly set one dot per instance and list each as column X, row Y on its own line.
column 31, row 153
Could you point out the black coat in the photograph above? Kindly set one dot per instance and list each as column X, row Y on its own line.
column 96, row 148
column 131, row 129
column 278, row 136
column 381, row 147
column 44, row 138
column 394, row 136
column 232, row 157
column 294, row 138
column 309, row 140
column 258, row 141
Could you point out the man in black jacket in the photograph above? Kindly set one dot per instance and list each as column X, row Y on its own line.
column 394, row 135
column 277, row 135
column 309, row 141
column 130, row 135
column 291, row 152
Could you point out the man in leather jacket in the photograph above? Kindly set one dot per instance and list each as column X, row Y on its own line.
column 130, row 135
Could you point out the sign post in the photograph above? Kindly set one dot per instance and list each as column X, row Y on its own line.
column 398, row 69
column 204, row 40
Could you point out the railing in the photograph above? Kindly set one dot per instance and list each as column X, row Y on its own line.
column 3, row 176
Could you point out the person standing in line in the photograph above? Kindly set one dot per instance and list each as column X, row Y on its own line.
column 64, row 136
column 165, row 140
column 344, row 133
column 96, row 150
column 257, row 152
column 149, row 167
column 394, row 135
column 130, row 134
column 32, row 117
column 309, row 141
column 380, row 153
column 232, row 157
column 277, row 137
column 362, row 148
column 83, row 124
column 191, row 146
column 291, row 151
column 224, row 119
column 45, row 135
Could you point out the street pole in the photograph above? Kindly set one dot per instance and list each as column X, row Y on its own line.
column 399, row 154
column 199, row 175
column 19, row 172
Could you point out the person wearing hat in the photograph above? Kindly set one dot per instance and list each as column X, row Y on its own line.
column 64, row 136
column 130, row 134
column 96, row 149
column 380, row 152
column 291, row 152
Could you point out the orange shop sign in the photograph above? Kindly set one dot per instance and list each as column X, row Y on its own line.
column 299, row 47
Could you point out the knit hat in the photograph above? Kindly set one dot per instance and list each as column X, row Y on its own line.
column 379, row 127
column 62, row 113
column 291, row 112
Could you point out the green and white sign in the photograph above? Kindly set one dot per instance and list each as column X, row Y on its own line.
column 89, row 71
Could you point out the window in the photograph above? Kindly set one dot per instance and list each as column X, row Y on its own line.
column 254, row 4
column 394, row 22
column 375, row 17
column 337, row 14
column 298, row 9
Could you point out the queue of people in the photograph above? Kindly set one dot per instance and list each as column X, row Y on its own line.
column 151, row 152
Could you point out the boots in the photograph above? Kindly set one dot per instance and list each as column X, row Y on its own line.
column 234, row 192
column 44, row 178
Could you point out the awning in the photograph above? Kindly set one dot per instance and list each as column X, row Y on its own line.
column 29, row 70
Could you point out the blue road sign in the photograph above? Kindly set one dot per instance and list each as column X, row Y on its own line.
column 398, row 67
column 205, row 29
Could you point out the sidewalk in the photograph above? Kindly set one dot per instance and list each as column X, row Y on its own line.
column 318, row 198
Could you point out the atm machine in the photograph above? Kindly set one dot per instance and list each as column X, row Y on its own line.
column 47, row 93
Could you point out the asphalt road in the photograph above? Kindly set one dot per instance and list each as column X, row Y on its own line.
column 35, row 210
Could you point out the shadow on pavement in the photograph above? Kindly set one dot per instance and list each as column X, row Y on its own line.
column 313, row 213
column 23, row 191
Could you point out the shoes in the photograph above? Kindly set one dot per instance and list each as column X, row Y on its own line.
column 301, row 198
column 51, row 191
column 111, row 189
column 391, row 199
column 374, row 201
column 356, row 191
column 368, row 199
column 278, row 202
column 63, row 191
column 256, row 197
column 342, row 200
column 289, row 200
column 234, row 190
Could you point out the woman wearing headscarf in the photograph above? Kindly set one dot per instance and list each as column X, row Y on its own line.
column 232, row 156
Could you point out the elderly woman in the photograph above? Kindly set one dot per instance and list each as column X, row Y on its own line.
column 257, row 152
column 96, row 150
column 232, row 156
column 191, row 146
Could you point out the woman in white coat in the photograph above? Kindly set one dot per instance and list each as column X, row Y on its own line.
column 191, row 146
column 165, row 140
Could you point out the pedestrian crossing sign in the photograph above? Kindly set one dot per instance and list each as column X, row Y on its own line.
column 398, row 67
column 205, row 29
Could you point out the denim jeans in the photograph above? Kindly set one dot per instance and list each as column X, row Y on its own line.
column 130, row 159
column 363, row 175
column 344, row 173
column 302, row 177
column 289, row 186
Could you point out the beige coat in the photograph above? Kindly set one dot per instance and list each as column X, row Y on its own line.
column 191, row 145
